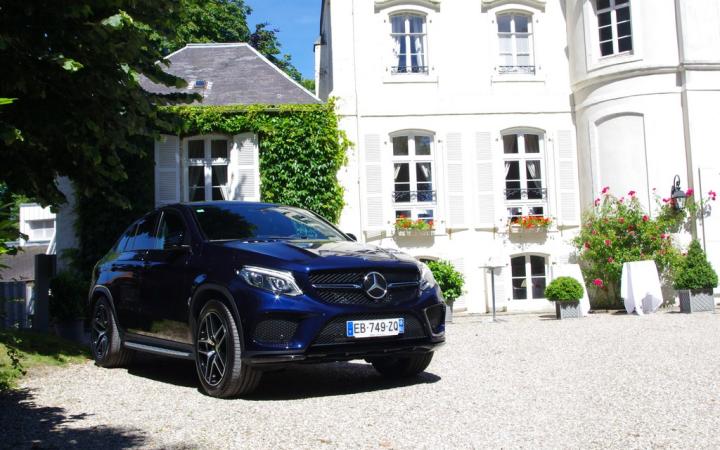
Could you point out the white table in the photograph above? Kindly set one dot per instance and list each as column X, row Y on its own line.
column 573, row 271
column 640, row 287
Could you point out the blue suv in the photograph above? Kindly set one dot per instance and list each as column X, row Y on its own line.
column 245, row 287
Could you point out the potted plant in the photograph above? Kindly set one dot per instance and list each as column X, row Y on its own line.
column 405, row 226
column 695, row 280
column 566, row 292
column 450, row 281
column 524, row 224
column 68, row 295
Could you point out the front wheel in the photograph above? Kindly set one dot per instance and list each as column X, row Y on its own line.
column 402, row 367
column 217, row 354
column 105, row 342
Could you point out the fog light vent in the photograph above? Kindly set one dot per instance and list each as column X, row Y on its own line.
column 275, row 331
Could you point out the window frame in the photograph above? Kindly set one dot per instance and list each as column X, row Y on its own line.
column 528, row 277
column 614, row 38
column 513, row 70
column 414, row 206
column 394, row 67
column 522, row 157
column 207, row 162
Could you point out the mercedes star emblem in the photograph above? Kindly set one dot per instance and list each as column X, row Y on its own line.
column 375, row 285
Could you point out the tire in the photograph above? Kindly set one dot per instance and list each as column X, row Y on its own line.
column 105, row 342
column 402, row 367
column 218, row 350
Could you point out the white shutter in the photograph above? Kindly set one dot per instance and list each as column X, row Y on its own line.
column 484, row 176
column 167, row 170
column 501, row 297
column 567, row 180
column 244, row 168
column 455, row 182
column 374, row 199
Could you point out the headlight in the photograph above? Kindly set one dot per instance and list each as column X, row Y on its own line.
column 427, row 280
column 275, row 281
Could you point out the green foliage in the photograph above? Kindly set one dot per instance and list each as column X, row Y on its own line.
column 564, row 289
column 618, row 231
column 301, row 149
column 21, row 350
column 266, row 42
column 72, row 72
column 450, row 280
column 68, row 296
column 695, row 272
column 309, row 85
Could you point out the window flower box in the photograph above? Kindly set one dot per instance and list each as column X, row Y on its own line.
column 406, row 227
column 529, row 224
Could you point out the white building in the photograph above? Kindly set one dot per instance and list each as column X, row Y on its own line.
column 37, row 223
column 469, row 113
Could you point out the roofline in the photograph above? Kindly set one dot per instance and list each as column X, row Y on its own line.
column 253, row 49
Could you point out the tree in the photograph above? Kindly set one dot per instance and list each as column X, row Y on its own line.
column 73, row 71
column 266, row 42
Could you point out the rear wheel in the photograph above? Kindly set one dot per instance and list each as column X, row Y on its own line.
column 105, row 342
column 402, row 367
column 218, row 354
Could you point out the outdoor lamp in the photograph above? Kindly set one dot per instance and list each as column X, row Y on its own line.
column 677, row 195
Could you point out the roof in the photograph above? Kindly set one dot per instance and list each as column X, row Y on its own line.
column 21, row 267
column 235, row 74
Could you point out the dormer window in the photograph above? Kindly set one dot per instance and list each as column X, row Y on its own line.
column 409, row 39
column 200, row 84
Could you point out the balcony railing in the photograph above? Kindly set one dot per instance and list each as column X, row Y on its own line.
column 414, row 196
column 409, row 69
column 526, row 70
column 526, row 194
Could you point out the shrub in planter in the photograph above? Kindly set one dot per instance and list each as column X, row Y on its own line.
column 68, row 298
column 448, row 278
column 695, row 281
column 566, row 292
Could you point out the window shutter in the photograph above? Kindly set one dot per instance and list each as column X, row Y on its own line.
column 455, row 182
column 485, row 192
column 501, row 298
column 374, row 200
column 167, row 170
column 244, row 168
column 567, row 182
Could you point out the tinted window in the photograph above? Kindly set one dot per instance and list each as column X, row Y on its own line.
column 171, row 231
column 145, row 238
column 231, row 222
column 127, row 237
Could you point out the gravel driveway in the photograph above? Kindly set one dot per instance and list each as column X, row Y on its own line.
column 606, row 381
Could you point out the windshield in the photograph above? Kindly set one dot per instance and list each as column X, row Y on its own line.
column 260, row 222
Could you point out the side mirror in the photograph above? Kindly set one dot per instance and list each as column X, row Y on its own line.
column 351, row 236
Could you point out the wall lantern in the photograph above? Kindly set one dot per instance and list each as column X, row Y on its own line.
column 677, row 195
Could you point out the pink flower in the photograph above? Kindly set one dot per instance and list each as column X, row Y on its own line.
column 611, row 260
column 654, row 189
column 631, row 193
column 598, row 282
column 608, row 242
column 690, row 192
column 645, row 218
column 666, row 200
column 587, row 245
column 712, row 195
column 597, row 202
column 622, row 200
column 605, row 190
column 594, row 232
column 664, row 236
column 621, row 220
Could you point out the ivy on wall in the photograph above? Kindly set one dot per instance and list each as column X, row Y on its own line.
column 301, row 151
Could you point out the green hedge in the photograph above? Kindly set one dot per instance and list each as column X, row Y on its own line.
column 301, row 151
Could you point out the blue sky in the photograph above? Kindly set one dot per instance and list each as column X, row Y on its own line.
column 299, row 25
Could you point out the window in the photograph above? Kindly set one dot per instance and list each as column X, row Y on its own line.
column 41, row 230
column 615, row 34
column 413, row 190
column 528, row 277
column 409, row 38
column 516, row 44
column 145, row 237
column 171, row 231
column 207, row 168
column 525, row 194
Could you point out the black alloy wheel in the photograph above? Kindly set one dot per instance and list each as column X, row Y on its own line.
column 105, row 342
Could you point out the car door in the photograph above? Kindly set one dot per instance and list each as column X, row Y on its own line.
column 129, row 266
column 166, row 280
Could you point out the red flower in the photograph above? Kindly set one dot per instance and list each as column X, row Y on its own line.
column 630, row 227
column 666, row 200
column 645, row 218
column 631, row 193
column 611, row 260
column 690, row 192
column 587, row 245
column 712, row 195
column 594, row 232
column 598, row 282
column 597, row 202
column 621, row 220
column 605, row 190
column 608, row 242
column 664, row 236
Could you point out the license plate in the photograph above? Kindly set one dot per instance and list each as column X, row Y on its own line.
column 375, row 328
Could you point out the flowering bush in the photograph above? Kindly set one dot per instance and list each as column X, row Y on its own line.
column 531, row 222
column 619, row 230
column 405, row 223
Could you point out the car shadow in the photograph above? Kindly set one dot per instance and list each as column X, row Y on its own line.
column 26, row 424
column 293, row 383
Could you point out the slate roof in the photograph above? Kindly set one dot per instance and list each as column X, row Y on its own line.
column 236, row 74
column 21, row 267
